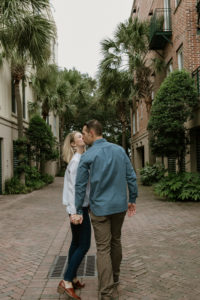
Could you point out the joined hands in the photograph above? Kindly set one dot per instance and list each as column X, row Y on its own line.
column 76, row 219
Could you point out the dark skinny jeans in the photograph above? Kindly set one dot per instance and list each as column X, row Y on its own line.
column 80, row 244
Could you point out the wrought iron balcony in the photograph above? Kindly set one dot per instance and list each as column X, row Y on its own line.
column 198, row 12
column 196, row 77
column 160, row 29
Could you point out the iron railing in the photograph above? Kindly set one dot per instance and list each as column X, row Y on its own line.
column 160, row 22
column 196, row 76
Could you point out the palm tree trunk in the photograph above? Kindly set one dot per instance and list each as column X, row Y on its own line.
column 45, row 109
column 61, row 126
column 20, row 123
column 124, row 136
column 122, row 117
column 19, row 109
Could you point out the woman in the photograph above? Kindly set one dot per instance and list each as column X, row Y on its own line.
column 81, row 233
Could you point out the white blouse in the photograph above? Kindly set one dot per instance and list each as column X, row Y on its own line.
column 69, row 185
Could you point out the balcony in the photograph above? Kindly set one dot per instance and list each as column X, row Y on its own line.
column 196, row 77
column 160, row 29
column 198, row 13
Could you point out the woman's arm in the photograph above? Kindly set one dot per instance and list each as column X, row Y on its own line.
column 69, row 187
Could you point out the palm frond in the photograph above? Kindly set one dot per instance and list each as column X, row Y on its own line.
column 12, row 10
column 33, row 36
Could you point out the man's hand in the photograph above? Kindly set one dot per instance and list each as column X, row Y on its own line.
column 131, row 209
column 76, row 219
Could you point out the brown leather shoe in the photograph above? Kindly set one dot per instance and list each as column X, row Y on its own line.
column 78, row 285
column 69, row 291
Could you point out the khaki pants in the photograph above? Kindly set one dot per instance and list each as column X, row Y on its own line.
column 107, row 231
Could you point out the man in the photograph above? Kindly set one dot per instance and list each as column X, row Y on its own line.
column 109, row 170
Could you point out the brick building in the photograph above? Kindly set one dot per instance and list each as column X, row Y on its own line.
column 174, row 38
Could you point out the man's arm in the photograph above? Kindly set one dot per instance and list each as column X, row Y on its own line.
column 81, row 184
column 131, row 180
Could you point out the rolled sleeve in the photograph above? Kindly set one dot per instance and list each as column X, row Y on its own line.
column 131, row 180
column 81, row 184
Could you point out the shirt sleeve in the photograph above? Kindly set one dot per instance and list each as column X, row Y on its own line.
column 69, row 195
column 81, row 184
column 131, row 180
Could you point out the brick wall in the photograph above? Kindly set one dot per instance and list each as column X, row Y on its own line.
column 185, row 36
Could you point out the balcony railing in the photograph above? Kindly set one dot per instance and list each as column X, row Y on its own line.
column 160, row 28
column 198, row 13
column 196, row 76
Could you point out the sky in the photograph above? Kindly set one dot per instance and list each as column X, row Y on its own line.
column 82, row 25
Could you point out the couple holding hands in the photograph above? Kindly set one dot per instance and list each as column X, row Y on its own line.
column 95, row 188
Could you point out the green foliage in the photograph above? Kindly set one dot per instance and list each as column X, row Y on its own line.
column 25, row 29
column 61, row 172
column 41, row 140
column 14, row 186
column 151, row 174
column 173, row 106
column 180, row 187
column 21, row 152
column 33, row 181
column 47, row 178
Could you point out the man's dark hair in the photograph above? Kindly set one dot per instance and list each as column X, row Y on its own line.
column 95, row 125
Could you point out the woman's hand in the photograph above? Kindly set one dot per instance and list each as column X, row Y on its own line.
column 76, row 219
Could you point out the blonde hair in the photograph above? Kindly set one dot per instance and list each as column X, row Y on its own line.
column 68, row 150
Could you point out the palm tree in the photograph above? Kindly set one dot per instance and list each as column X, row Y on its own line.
column 126, row 54
column 25, row 35
column 45, row 83
column 116, row 81
column 117, row 88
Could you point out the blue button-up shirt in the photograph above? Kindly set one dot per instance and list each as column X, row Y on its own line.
column 109, row 170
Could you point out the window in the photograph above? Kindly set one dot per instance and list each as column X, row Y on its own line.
column 15, row 158
column 54, row 126
column 177, row 2
column 14, row 110
column 152, row 95
column 172, row 164
column 24, row 97
column 180, row 58
column 134, row 128
column 198, row 150
column 141, row 111
column 138, row 120
column 169, row 67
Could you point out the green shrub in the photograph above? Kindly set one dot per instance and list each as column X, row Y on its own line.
column 151, row 174
column 35, row 180
column 36, row 184
column 14, row 186
column 47, row 178
column 32, row 174
column 61, row 172
column 180, row 187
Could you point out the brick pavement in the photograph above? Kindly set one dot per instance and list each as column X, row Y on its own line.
column 161, row 248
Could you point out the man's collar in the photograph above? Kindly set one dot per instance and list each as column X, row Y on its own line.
column 99, row 141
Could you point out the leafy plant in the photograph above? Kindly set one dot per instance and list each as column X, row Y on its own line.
column 33, row 181
column 42, row 141
column 14, row 186
column 179, row 187
column 174, row 104
column 151, row 174
column 21, row 152
column 47, row 179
